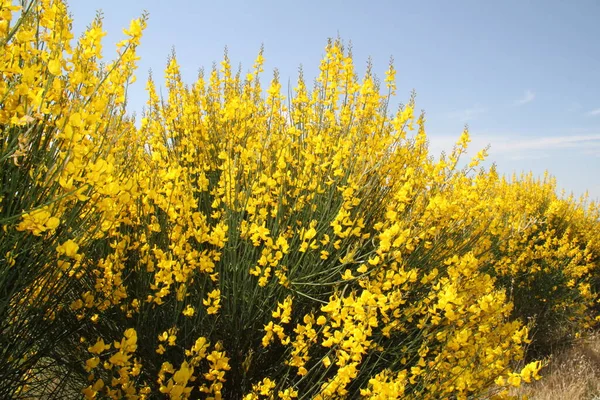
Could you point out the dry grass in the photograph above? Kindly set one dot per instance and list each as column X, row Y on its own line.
column 571, row 374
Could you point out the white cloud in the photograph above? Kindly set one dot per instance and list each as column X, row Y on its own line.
column 518, row 146
column 468, row 114
column 528, row 97
column 594, row 112
column 544, row 142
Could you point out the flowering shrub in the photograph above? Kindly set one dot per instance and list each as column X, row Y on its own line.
column 235, row 246
column 547, row 259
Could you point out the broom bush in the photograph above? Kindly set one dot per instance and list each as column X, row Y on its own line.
column 237, row 243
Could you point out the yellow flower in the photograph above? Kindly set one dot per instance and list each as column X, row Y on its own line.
column 135, row 28
column 347, row 275
column 189, row 311
column 182, row 376
column 531, row 371
column 91, row 363
column 213, row 302
column 99, row 347
column 68, row 248
column 54, row 67
column 514, row 380
column 120, row 359
column 38, row 221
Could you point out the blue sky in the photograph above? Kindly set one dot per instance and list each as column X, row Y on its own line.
column 525, row 75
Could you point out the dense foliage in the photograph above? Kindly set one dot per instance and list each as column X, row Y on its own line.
column 240, row 244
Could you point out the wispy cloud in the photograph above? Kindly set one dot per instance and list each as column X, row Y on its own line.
column 467, row 114
column 528, row 97
column 544, row 142
column 521, row 147
column 594, row 112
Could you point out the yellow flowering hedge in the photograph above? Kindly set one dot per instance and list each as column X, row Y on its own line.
column 240, row 244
